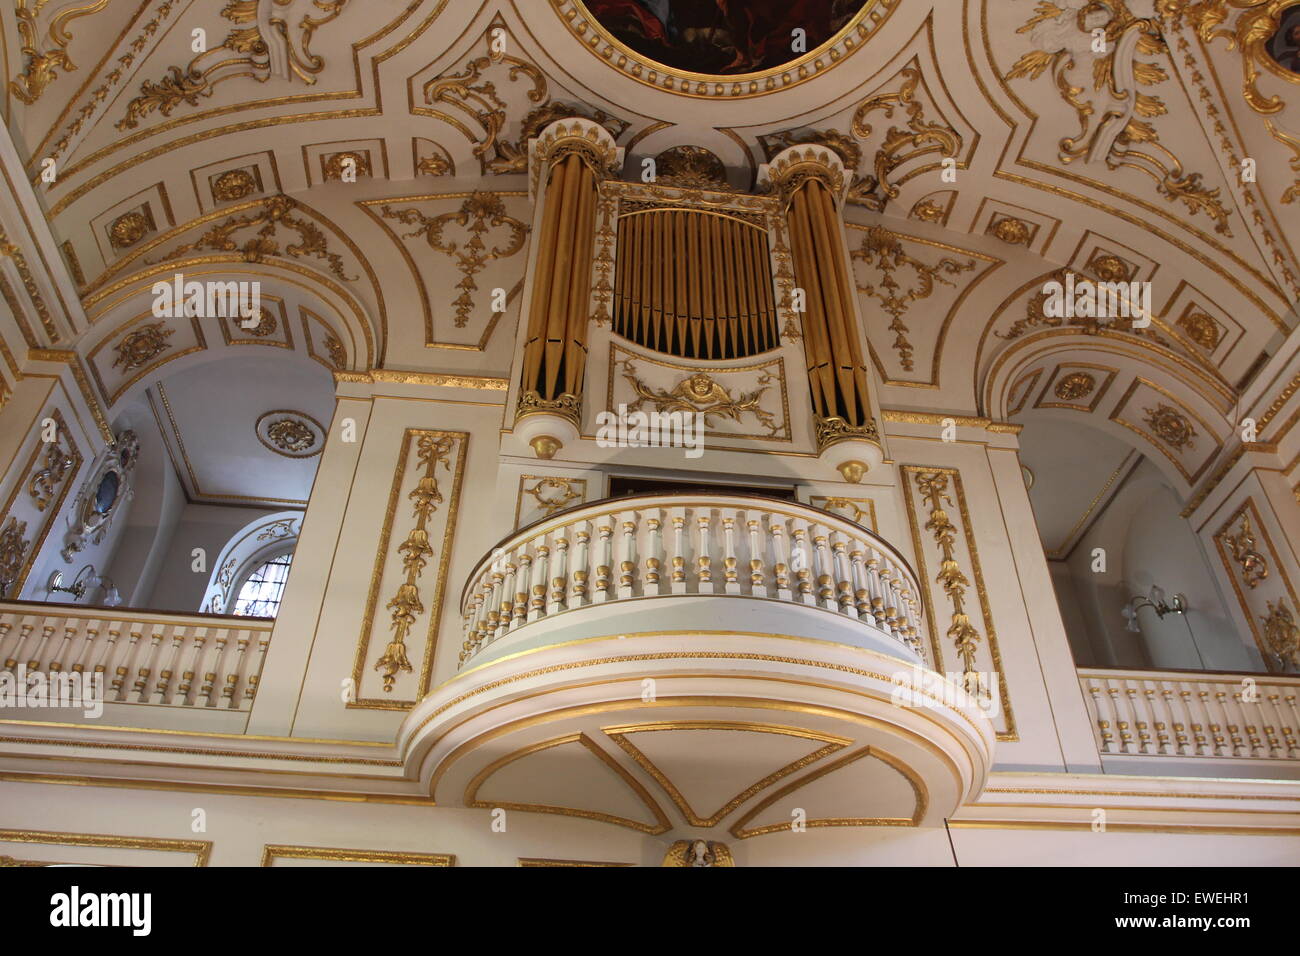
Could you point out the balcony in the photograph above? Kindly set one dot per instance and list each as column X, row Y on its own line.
column 688, row 662
column 203, row 668
column 1178, row 714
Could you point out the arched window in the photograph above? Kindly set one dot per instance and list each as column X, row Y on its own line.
column 260, row 593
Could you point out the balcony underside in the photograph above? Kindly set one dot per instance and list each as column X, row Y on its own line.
column 699, row 732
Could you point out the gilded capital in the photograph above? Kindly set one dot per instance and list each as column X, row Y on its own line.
column 576, row 135
column 795, row 165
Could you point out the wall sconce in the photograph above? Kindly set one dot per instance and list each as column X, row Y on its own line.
column 1156, row 601
column 86, row 578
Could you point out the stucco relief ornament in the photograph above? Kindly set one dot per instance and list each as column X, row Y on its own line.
column 1170, row 426
column 1075, row 386
column 291, row 434
column 551, row 503
column 701, row 393
column 1282, row 635
column 1100, row 81
column 142, row 346
column 13, row 549
column 698, row 853
column 1254, row 567
column 102, row 497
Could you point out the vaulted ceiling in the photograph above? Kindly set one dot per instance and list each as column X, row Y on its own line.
column 994, row 143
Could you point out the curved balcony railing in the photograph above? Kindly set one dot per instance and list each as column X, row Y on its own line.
column 690, row 544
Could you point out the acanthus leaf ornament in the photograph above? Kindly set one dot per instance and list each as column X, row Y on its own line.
column 274, row 211
column 1114, row 116
column 473, row 93
column 901, row 144
column 42, row 65
column 245, row 52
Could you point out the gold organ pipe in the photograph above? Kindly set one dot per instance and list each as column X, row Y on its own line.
column 555, row 343
column 694, row 284
column 835, row 364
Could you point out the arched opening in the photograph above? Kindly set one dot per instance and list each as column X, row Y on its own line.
column 1134, row 582
column 206, row 517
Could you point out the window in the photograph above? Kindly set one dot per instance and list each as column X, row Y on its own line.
column 262, row 590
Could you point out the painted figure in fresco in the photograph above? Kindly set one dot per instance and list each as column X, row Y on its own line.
column 722, row 36
column 1284, row 45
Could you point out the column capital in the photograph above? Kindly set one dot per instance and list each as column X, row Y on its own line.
column 579, row 136
column 795, row 165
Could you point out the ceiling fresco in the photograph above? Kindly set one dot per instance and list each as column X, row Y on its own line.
column 724, row 37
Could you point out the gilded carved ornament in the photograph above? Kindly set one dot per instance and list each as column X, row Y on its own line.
column 138, row 348
column 1241, row 545
column 1256, row 22
column 416, row 551
column 481, row 215
column 1114, row 116
column 264, row 243
column 700, row 393
column 44, row 58
column 45, row 482
column 918, row 137
column 691, row 167
column 474, row 92
column 245, row 52
column 933, row 488
column 1074, row 386
column 1036, row 316
column 882, row 251
column 13, row 552
column 1282, row 634
column 552, row 493
column 128, row 229
column 698, row 853
column 234, row 185
column 1170, row 425
column 791, row 168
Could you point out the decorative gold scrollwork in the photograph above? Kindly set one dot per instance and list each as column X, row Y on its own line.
column 700, row 393
column 479, row 215
column 1115, row 121
column 275, row 211
column 882, row 250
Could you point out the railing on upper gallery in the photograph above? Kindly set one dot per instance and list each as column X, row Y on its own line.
column 146, row 657
column 695, row 544
column 1182, row 714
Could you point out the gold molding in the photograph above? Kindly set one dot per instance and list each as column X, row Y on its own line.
column 591, row 35
column 831, row 744
column 543, row 861
column 661, row 825
column 919, row 789
column 202, row 849
column 281, row 851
